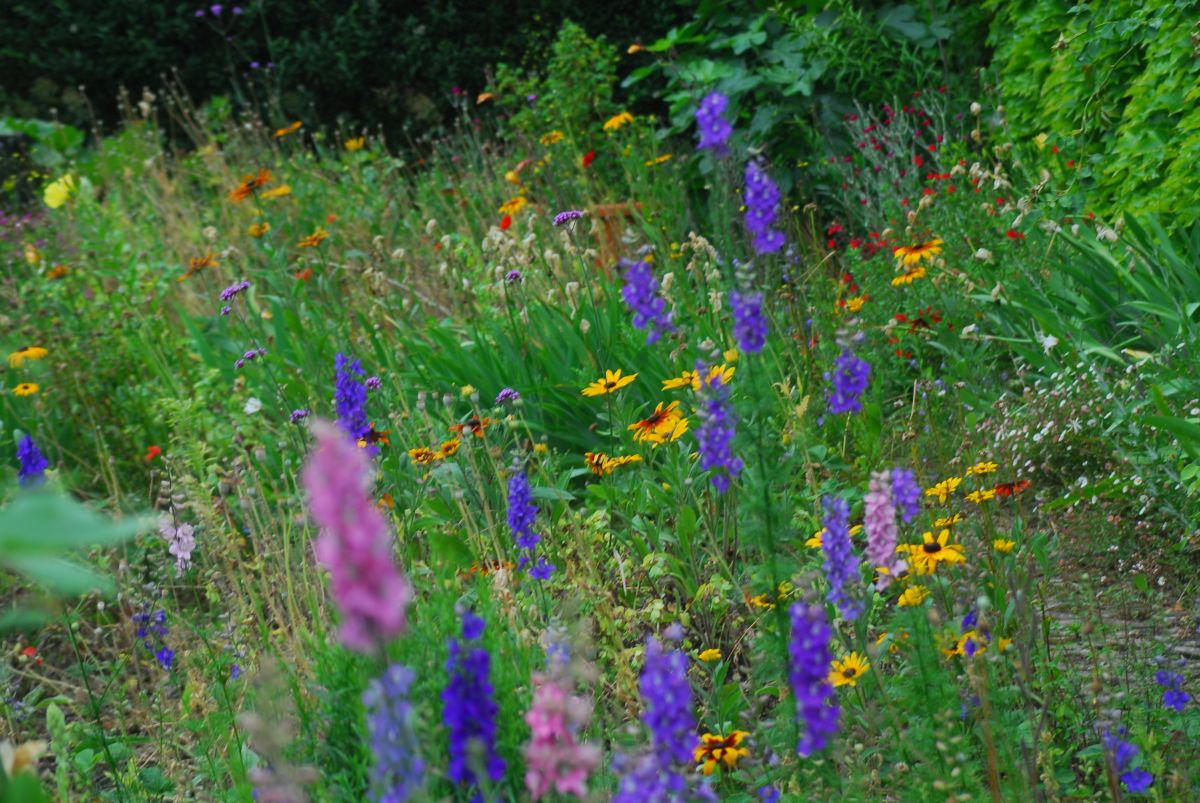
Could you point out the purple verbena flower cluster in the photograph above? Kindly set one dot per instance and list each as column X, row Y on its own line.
column 350, row 397
column 716, row 431
column 373, row 383
column 33, row 466
column 713, row 128
column 809, row 658
column 299, row 415
column 507, row 396
column 562, row 218
column 234, row 290
column 641, row 294
column 841, row 565
column 397, row 769
column 906, row 493
column 761, row 197
column 749, row 322
column 249, row 356
column 849, row 377
column 468, row 708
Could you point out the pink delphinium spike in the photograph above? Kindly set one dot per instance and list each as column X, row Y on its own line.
column 355, row 543
column 879, row 520
column 554, row 761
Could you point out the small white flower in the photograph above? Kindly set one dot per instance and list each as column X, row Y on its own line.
column 983, row 255
column 968, row 330
column 253, row 405
column 1049, row 342
column 976, row 108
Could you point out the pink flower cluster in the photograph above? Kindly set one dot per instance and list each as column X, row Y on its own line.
column 355, row 543
column 554, row 760
column 879, row 520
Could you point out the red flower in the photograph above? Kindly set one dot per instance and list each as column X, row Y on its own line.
column 303, row 275
column 588, row 158
column 437, row 246
column 1014, row 235
column 31, row 652
column 1070, row 163
column 152, row 452
column 331, row 218
column 918, row 161
column 505, row 222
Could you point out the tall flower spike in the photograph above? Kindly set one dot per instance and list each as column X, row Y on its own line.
column 761, row 197
column 468, row 708
column 667, row 696
column 879, row 520
column 906, row 493
column 554, row 760
column 841, row 566
column 850, row 377
column 33, row 463
column 711, row 125
column 350, row 396
column 808, row 675
column 397, row 768
column 716, row 432
column 641, row 294
column 749, row 323
column 355, row 544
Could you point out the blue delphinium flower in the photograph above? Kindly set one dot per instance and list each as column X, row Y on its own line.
column 152, row 631
column 641, row 294
column 350, row 397
column 33, row 463
column 542, row 569
column 1174, row 696
column 645, row 779
column 849, row 377
column 907, row 493
column 761, row 197
column 469, row 711
column 522, row 513
column 397, row 769
column 716, row 431
column 809, row 658
column 841, row 565
column 1123, row 752
column 667, row 696
column 749, row 323
column 713, row 128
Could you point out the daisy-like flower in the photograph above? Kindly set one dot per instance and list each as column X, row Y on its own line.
column 909, row 255
column 421, row 455
column 553, row 137
column 59, row 192
column 691, row 379
column 197, row 264
column 1003, row 546
column 913, row 596
column 474, row 425
column 725, row 751
column 599, row 463
column 710, row 655
column 948, row 521
column 355, row 144
column 986, row 467
column 848, row 670
column 258, row 229
column 611, row 381
column 26, row 389
column 512, row 205
column 288, row 129
column 618, row 121
column 979, row 497
column 663, row 424
column 249, row 185
column 31, row 353
column 926, row 556
column 313, row 240
column 909, row 276
column 944, row 488
column 447, row 449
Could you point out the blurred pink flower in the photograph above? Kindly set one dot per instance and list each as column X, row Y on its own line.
column 879, row 520
column 554, row 761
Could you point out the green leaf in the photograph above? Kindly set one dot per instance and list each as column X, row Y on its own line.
column 450, row 550
column 57, row 574
column 46, row 521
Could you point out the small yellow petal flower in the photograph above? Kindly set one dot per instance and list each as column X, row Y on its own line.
column 1003, row 546
column 26, row 389
column 710, row 655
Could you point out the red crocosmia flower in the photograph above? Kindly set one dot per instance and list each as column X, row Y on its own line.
column 588, row 158
column 152, row 452
column 505, row 222
column 1012, row 234
column 304, row 275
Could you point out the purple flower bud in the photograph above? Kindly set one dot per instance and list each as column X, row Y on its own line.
column 563, row 218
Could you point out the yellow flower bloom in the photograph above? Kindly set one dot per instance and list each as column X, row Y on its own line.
column 33, row 353
column 599, row 463
column 634, row 48
column 731, row 355
column 513, row 205
column 552, row 138
column 355, row 144
column 710, row 655
column 313, row 240
column 856, row 303
column 616, row 122
column 909, row 276
column 276, row 192
column 968, row 644
column 1003, row 546
column 258, row 229
column 512, row 177
column 59, row 192
column 540, row 448
column 663, row 424
column 817, row 540
column 913, row 596
column 25, row 389
column 926, row 556
column 659, row 160
column 467, row 390
column 909, row 255
column 979, row 497
column 948, row 521
column 447, row 449
column 422, row 456
column 691, row 378
column 725, row 751
column 893, row 642
column 848, row 670
column 612, row 380
column 944, row 488
column 986, row 467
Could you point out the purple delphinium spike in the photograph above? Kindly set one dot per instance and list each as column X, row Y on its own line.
column 468, row 708
column 906, row 493
column 521, row 511
column 841, row 565
column 1174, row 696
column 356, row 544
column 350, row 396
column 397, row 768
column 849, row 377
column 33, row 463
column 749, row 323
column 808, row 675
column 641, row 294
column 667, row 696
column 761, row 197
column 567, row 216
column 711, row 125
column 715, row 433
